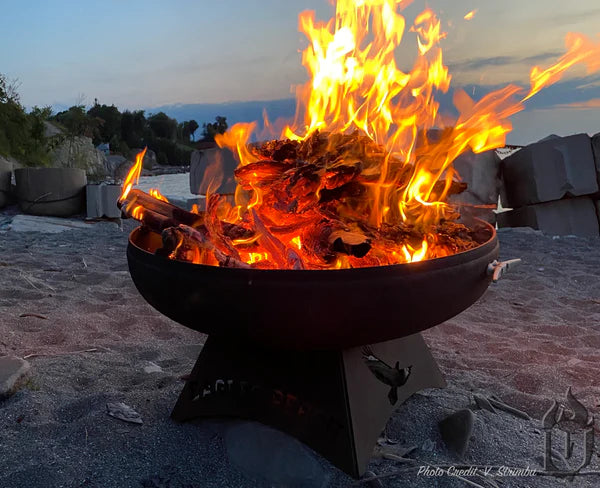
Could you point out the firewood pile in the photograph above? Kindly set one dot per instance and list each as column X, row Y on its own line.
column 307, row 205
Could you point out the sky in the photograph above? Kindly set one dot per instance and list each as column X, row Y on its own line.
column 147, row 53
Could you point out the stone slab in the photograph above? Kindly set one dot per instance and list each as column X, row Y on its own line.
column 548, row 171
column 47, row 225
column 220, row 161
column 571, row 216
column 12, row 371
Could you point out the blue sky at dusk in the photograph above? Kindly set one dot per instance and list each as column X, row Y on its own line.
column 147, row 54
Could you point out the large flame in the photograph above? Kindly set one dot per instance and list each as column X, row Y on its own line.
column 133, row 177
column 356, row 85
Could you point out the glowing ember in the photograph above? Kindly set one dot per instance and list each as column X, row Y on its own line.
column 362, row 176
column 470, row 15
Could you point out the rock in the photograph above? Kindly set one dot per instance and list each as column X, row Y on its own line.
column 79, row 152
column 152, row 368
column 266, row 454
column 51, row 130
column 149, row 158
column 12, row 372
column 113, row 162
column 456, row 430
column 123, row 412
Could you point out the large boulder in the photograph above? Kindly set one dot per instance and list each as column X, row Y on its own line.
column 113, row 163
column 80, row 152
column 120, row 166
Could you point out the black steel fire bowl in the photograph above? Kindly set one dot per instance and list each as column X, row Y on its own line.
column 325, row 356
column 312, row 309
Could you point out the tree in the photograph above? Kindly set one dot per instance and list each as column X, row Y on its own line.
column 21, row 134
column 210, row 130
column 134, row 128
column 163, row 126
column 78, row 122
column 109, row 119
column 193, row 127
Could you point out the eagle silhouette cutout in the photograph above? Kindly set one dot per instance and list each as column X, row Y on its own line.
column 391, row 376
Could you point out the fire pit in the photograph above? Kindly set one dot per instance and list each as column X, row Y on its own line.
column 284, row 346
column 340, row 246
column 306, row 310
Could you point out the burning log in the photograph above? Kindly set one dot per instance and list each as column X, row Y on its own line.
column 159, row 215
column 185, row 243
column 137, row 197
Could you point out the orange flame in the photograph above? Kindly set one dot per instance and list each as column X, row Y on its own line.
column 580, row 49
column 158, row 195
column 356, row 85
column 134, row 175
column 470, row 15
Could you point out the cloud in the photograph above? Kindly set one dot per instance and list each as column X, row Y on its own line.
column 566, row 18
column 480, row 63
column 593, row 103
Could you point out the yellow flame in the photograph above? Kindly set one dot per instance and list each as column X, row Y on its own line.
column 255, row 257
column 158, row 195
column 412, row 255
column 133, row 176
column 297, row 242
column 355, row 84
column 138, row 212
column 470, row 15
column 580, row 49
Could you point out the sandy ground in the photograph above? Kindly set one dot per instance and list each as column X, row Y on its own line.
column 531, row 336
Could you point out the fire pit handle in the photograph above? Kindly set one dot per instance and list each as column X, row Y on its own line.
column 498, row 268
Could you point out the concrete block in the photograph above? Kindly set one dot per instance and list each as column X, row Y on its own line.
column 549, row 170
column 5, row 178
column 571, row 216
column 101, row 201
column 596, row 151
column 212, row 165
column 481, row 173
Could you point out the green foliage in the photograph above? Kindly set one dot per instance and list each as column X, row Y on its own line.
column 169, row 152
column 77, row 122
column 210, row 130
column 21, row 134
column 135, row 131
column 109, row 119
column 163, row 126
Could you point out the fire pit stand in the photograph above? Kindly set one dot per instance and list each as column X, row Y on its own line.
column 336, row 402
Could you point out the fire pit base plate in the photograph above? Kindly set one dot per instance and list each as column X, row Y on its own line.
column 336, row 402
